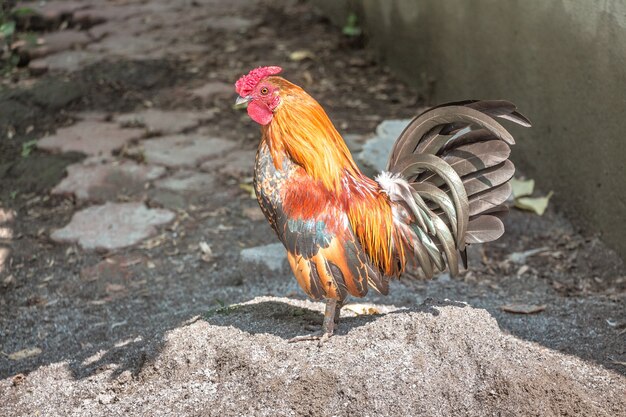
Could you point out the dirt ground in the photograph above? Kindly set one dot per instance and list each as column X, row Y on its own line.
column 160, row 328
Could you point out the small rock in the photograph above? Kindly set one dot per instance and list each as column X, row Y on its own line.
column 106, row 181
column 376, row 150
column 273, row 256
column 183, row 150
column 236, row 164
column 105, row 399
column 89, row 137
column 37, row 67
column 112, row 225
column 187, row 181
column 163, row 122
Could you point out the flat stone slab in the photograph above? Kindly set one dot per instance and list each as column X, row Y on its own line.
column 90, row 137
column 213, row 89
column 112, row 225
column 376, row 150
column 236, row 164
column 67, row 61
column 104, row 182
column 106, row 12
column 53, row 11
column 272, row 256
column 126, row 45
column 162, row 121
column 61, row 41
column 186, row 181
column 184, row 150
column 132, row 26
column 229, row 23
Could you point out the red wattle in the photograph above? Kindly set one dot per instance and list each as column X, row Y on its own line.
column 259, row 112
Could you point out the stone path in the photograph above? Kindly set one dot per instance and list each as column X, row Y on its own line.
column 94, row 30
column 132, row 153
column 148, row 152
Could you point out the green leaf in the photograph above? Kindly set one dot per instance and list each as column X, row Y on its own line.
column 23, row 11
column 27, row 147
column 522, row 188
column 29, row 37
column 352, row 27
column 535, row 204
column 7, row 29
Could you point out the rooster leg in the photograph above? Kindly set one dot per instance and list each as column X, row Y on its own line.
column 338, row 311
column 331, row 316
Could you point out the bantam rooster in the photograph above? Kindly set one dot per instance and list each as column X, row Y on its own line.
column 445, row 187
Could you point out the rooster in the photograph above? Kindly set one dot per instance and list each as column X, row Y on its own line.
column 444, row 188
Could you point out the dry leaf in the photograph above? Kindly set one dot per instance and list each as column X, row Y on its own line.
column 362, row 309
column 207, row 253
column 154, row 242
column 114, row 288
column 308, row 78
column 535, row 204
column 523, row 308
column 248, row 188
column 522, row 188
column 10, row 280
column 205, row 247
column 521, row 257
column 301, row 55
column 24, row 353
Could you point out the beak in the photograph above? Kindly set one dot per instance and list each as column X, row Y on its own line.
column 242, row 102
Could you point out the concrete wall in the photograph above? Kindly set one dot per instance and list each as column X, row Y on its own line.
column 563, row 62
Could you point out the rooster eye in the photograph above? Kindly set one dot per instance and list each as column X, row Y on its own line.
column 264, row 91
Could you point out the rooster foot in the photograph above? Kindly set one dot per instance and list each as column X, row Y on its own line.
column 331, row 318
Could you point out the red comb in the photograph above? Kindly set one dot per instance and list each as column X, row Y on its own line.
column 246, row 83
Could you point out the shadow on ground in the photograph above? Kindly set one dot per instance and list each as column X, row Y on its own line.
column 288, row 321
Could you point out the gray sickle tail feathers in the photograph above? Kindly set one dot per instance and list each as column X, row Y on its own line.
column 455, row 159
